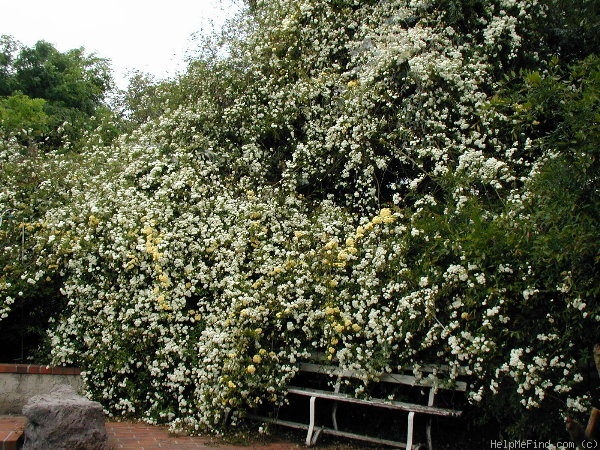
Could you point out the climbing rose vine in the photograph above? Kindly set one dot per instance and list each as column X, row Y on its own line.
column 380, row 182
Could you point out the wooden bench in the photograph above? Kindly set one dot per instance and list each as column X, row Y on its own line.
column 314, row 430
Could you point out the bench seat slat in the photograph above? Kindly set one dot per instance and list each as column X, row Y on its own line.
column 433, row 410
column 385, row 377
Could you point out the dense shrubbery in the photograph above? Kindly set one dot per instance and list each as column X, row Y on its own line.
column 50, row 104
column 389, row 183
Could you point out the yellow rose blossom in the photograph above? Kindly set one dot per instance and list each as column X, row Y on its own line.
column 251, row 369
column 330, row 245
column 256, row 359
column 164, row 279
column 329, row 310
column 231, row 384
column 93, row 220
column 338, row 327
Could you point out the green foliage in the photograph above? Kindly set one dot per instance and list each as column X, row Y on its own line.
column 72, row 85
column 147, row 99
column 22, row 114
column 31, row 182
column 66, row 80
column 387, row 183
column 49, row 102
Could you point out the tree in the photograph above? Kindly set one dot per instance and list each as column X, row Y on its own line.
column 20, row 112
column 8, row 48
column 72, row 84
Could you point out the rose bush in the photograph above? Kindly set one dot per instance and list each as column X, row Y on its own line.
column 389, row 183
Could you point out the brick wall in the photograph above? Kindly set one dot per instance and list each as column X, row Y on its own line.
column 37, row 369
column 20, row 382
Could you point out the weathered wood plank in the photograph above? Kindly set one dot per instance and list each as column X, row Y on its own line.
column 432, row 410
column 397, row 378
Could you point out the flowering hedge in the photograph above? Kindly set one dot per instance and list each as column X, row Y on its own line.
column 389, row 183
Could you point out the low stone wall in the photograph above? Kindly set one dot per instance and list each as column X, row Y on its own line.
column 20, row 382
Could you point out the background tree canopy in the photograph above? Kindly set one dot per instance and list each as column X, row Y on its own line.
column 44, row 90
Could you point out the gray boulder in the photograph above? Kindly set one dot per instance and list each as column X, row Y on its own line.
column 64, row 420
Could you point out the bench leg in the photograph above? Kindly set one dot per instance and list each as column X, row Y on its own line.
column 335, row 405
column 429, row 439
column 430, row 402
column 409, row 435
column 226, row 417
column 312, row 435
column 334, row 416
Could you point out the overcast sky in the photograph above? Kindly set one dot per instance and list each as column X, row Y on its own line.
column 148, row 35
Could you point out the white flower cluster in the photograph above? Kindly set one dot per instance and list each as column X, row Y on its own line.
column 208, row 252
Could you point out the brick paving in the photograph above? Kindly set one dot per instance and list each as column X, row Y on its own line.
column 127, row 435
column 11, row 431
column 138, row 436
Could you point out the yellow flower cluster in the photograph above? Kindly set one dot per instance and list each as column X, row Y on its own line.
column 163, row 304
column 133, row 260
column 93, row 220
column 384, row 216
column 339, row 257
column 339, row 325
column 298, row 234
column 152, row 241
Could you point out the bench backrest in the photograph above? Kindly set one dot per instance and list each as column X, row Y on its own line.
column 396, row 378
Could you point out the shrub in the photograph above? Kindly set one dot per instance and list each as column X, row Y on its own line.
column 388, row 183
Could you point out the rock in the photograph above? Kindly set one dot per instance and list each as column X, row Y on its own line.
column 64, row 420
